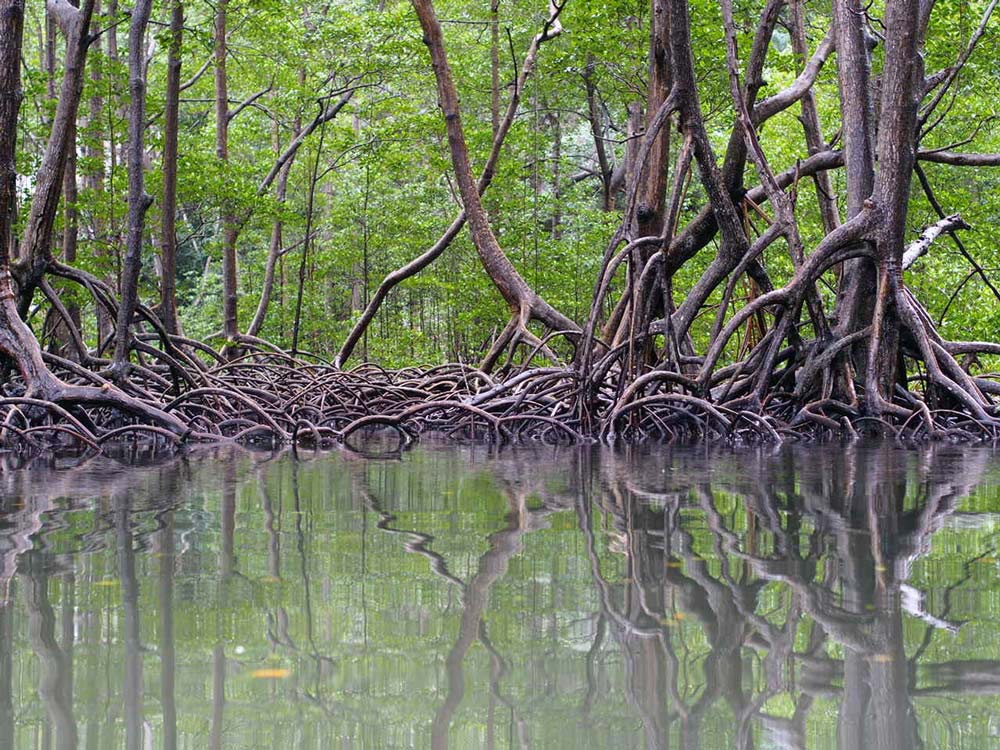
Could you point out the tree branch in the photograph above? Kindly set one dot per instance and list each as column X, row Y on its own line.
column 920, row 246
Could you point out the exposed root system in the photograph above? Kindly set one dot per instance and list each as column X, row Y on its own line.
column 269, row 398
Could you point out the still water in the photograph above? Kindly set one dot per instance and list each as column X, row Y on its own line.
column 821, row 597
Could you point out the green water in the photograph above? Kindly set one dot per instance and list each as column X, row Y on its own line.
column 835, row 597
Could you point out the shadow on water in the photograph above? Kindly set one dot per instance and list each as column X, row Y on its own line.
column 794, row 597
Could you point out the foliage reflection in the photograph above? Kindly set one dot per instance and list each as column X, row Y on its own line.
column 467, row 598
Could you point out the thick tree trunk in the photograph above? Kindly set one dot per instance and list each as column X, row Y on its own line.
column 858, row 281
column 16, row 340
column 651, row 204
column 902, row 80
column 11, row 28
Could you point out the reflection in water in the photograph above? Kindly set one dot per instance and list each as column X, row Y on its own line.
column 801, row 597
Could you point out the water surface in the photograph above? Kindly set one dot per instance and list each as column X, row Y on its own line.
column 463, row 597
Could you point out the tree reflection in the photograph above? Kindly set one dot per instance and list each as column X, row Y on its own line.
column 847, row 576
column 739, row 600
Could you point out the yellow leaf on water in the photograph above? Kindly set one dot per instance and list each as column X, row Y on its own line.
column 108, row 582
column 271, row 674
column 680, row 615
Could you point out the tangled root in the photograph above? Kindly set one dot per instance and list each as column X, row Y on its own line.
column 268, row 398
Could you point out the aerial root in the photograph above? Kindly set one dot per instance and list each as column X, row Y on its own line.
column 269, row 398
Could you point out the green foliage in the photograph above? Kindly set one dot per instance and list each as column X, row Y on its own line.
column 385, row 191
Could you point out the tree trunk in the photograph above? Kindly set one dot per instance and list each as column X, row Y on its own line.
column 138, row 200
column 168, row 242
column 307, row 241
column 93, row 180
column 38, row 233
column 230, row 325
column 495, row 65
column 858, row 281
column 16, row 340
column 815, row 143
column 273, row 254
column 902, row 79
column 523, row 300
column 654, row 176
column 11, row 28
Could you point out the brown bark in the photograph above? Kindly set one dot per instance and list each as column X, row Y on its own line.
column 858, row 282
column 93, row 179
column 16, row 340
column 274, row 253
column 230, row 291
column 38, row 235
column 902, row 83
column 421, row 262
column 523, row 300
column 811, row 126
column 168, row 241
column 596, row 120
column 495, row 65
column 649, row 211
column 138, row 200
column 307, row 243
column 733, row 245
column 11, row 28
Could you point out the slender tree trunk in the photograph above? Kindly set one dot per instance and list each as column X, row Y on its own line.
column 71, row 215
column 277, row 232
column 596, row 119
column 138, row 200
column 39, row 230
column 93, row 179
column 522, row 298
column 815, row 142
column 230, row 326
column 168, row 242
column 51, row 35
column 495, row 65
column 307, row 242
column 359, row 331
